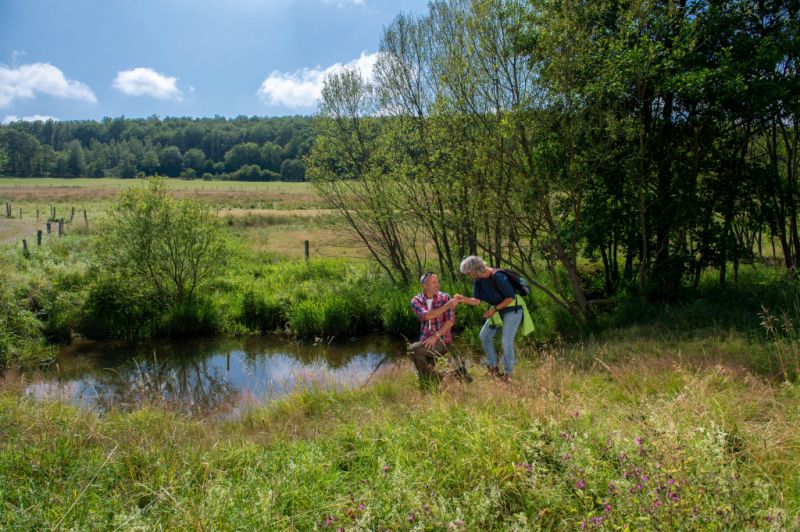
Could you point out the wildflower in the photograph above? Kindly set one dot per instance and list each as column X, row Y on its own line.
column 607, row 507
column 583, row 524
column 529, row 467
column 673, row 496
column 576, row 414
column 410, row 518
column 426, row 507
column 361, row 506
column 656, row 504
column 596, row 520
column 580, row 484
column 386, row 469
column 566, row 457
column 329, row 520
column 612, row 488
column 565, row 436
column 639, row 441
column 645, row 478
column 671, row 481
column 459, row 523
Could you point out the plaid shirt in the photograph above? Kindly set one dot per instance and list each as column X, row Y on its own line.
column 429, row 327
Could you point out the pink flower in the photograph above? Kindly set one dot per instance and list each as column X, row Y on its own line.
column 386, row 469
column 411, row 518
column 580, row 484
column 361, row 506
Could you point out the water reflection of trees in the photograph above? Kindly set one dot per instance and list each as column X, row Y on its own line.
column 195, row 374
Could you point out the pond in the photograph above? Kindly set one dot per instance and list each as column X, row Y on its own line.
column 208, row 376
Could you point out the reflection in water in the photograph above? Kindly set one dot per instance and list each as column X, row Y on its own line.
column 205, row 375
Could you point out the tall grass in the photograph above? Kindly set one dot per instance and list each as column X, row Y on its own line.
column 634, row 444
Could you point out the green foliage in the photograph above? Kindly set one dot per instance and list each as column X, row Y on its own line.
column 175, row 247
column 172, row 147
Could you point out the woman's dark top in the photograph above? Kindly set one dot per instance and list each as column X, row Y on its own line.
column 494, row 292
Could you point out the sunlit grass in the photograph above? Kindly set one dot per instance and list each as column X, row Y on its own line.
column 654, row 442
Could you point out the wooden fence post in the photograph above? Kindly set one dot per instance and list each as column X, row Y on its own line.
column 305, row 248
column 25, row 249
column 39, row 237
column 85, row 218
column 37, row 215
column 49, row 229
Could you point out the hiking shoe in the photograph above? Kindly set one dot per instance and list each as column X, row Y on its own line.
column 492, row 371
column 505, row 377
column 462, row 374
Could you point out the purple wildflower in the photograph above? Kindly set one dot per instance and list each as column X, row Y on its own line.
column 607, row 507
column 386, row 469
column 639, row 441
column 645, row 478
column 426, row 507
column 565, row 436
column 529, row 467
column 656, row 504
column 583, row 524
column 459, row 523
column 410, row 518
column 580, row 484
column 673, row 496
column 329, row 520
column 596, row 520
column 361, row 506
column 671, row 481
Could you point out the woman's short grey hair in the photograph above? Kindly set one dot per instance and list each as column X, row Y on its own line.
column 473, row 265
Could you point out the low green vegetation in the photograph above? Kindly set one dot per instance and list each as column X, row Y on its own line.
column 659, row 433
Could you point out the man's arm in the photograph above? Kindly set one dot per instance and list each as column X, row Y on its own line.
column 431, row 340
column 435, row 313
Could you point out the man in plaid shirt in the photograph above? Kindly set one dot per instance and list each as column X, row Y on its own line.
column 435, row 312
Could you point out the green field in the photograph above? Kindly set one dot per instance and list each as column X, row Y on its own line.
column 678, row 416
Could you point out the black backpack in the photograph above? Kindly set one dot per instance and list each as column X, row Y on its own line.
column 517, row 281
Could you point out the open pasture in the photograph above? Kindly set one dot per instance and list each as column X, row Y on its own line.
column 273, row 217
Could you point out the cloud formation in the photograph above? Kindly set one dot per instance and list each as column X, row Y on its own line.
column 343, row 3
column 32, row 118
column 26, row 81
column 303, row 88
column 147, row 82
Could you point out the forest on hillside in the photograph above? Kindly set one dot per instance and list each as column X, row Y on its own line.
column 243, row 148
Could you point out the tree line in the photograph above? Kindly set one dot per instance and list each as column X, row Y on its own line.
column 634, row 144
column 243, row 148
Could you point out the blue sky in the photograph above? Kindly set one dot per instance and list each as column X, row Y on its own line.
column 86, row 59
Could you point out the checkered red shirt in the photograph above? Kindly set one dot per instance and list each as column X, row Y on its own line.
column 429, row 327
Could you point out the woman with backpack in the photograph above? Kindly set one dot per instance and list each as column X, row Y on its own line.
column 493, row 286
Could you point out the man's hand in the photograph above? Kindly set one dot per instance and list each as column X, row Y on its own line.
column 453, row 303
column 489, row 313
column 430, row 341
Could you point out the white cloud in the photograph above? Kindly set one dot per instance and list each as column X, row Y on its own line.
column 26, row 81
column 147, row 82
column 303, row 88
column 32, row 118
column 343, row 3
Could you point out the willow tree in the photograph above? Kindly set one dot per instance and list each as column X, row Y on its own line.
column 347, row 168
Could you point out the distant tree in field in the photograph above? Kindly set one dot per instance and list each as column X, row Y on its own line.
column 271, row 156
column 293, row 170
column 241, row 155
column 173, row 246
column 195, row 159
column 76, row 164
column 170, row 161
column 150, row 162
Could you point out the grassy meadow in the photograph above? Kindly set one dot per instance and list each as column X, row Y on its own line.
column 675, row 416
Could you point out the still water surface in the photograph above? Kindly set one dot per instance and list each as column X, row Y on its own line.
column 206, row 375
